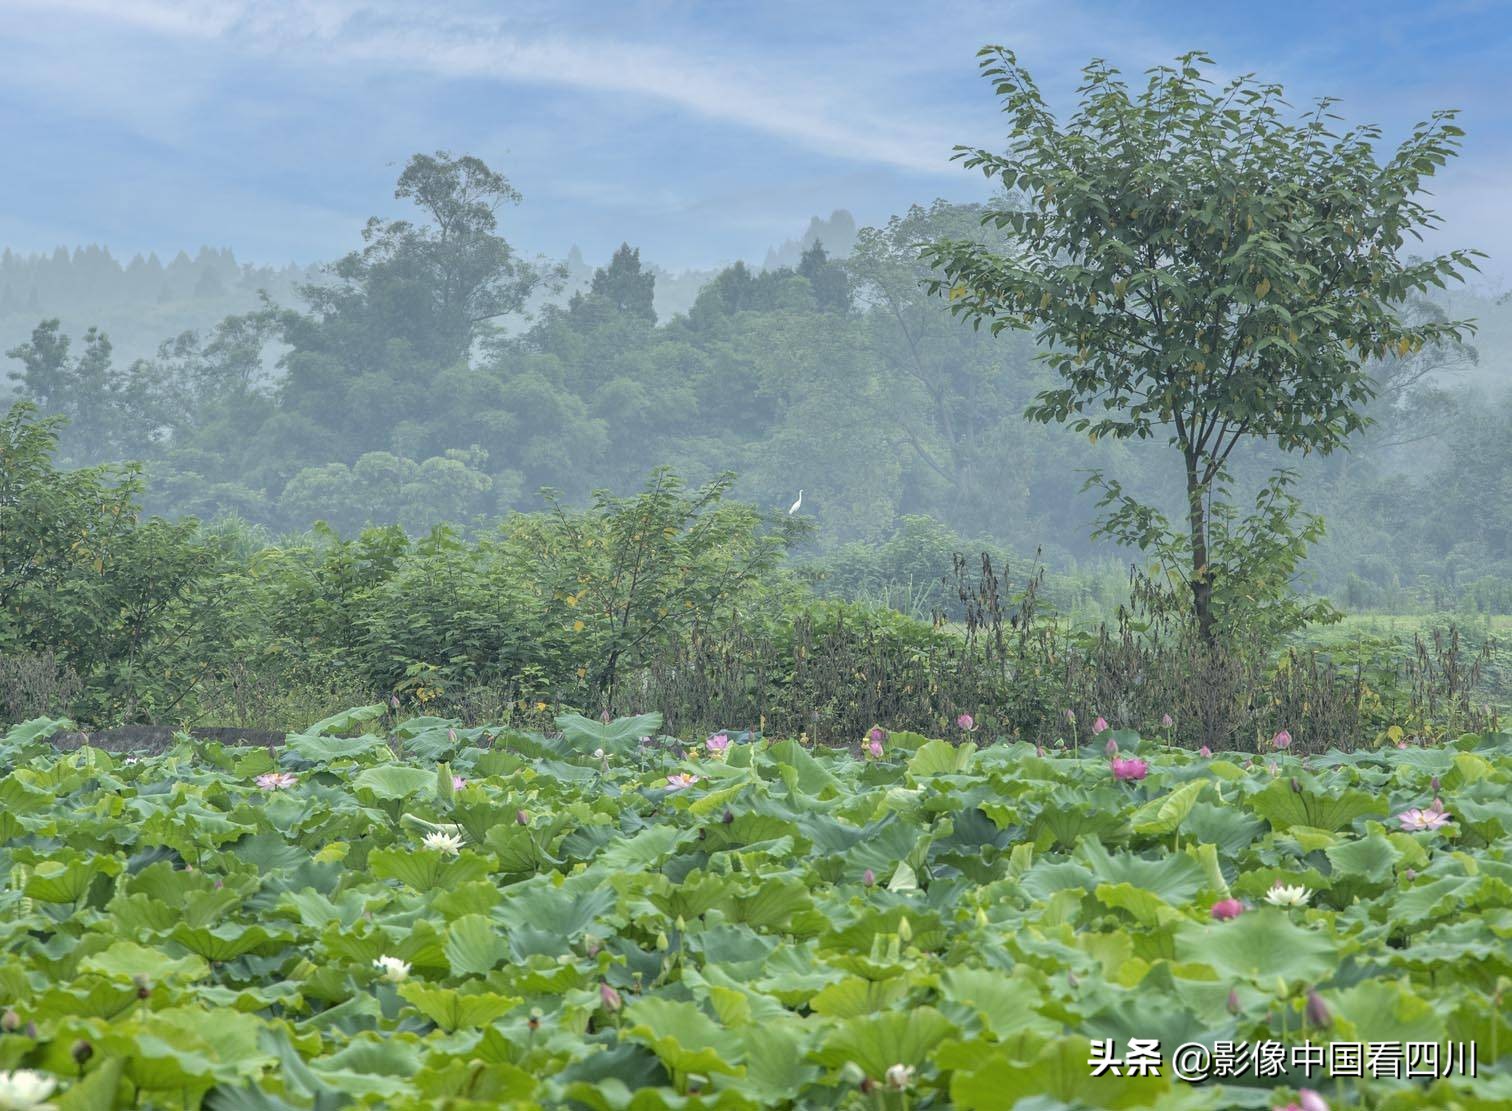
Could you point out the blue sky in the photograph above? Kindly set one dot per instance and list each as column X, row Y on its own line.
column 701, row 132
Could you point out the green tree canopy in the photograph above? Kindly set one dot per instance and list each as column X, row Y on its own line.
column 1195, row 261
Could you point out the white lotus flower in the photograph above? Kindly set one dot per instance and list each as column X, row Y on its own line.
column 448, row 843
column 899, row 1076
column 25, row 1090
column 394, row 970
column 1282, row 895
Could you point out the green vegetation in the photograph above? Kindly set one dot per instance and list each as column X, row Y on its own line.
column 609, row 918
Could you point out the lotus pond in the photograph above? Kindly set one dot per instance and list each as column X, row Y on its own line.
column 459, row 917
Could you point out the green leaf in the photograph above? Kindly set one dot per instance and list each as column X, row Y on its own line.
column 474, row 945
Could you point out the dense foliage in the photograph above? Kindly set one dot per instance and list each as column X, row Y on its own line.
column 613, row 919
column 348, row 397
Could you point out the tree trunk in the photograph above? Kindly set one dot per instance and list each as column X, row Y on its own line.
column 1202, row 583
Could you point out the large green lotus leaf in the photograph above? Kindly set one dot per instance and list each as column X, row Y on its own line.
column 1386, row 1011
column 686, row 1039
column 87, row 997
column 461, row 1083
column 877, row 1042
column 474, row 945
column 1260, row 946
column 775, row 904
column 97, row 1091
column 565, row 911
column 1070, row 817
column 620, row 736
column 162, row 1060
column 268, row 852
column 19, row 797
column 227, row 941
column 854, row 996
column 649, row 847
column 998, row 999
column 1428, row 901
column 940, row 758
column 1334, row 810
column 776, row 1060
column 233, row 1038
column 1146, row 907
column 1061, row 1073
column 37, row 729
column 807, row 774
column 329, row 750
column 65, row 879
column 452, row 1010
column 394, row 781
column 126, row 959
column 426, row 869
column 1176, row 879
column 1165, row 814
column 345, row 721
column 1371, row 859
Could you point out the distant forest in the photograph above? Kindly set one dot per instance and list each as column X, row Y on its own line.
column 430, row 377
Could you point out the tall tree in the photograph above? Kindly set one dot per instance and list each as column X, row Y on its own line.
column 1195, row 262
column 625, row 285
column 434, row 285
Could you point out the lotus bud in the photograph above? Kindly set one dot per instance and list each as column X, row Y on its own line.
column 143, row 986
column 522, row 818
column 451, row 735
column 610, row 998
column 682, row 927
column 10, row 1022
column 1111, row 748
column 868, row 878
column 1233, row 1001
column 729, row 817
column 82, row 1051
column 1434, row 784
column 905, row 931
column 1317, row 1011
column 1204, row 752
column 1165, row 721
column 1296, row 785
column 1309, row 1100
column 1409, row 874
column 981, row 917
column 604, row 717
column 1071, row 979
column 662, row 944
column 31, row 1031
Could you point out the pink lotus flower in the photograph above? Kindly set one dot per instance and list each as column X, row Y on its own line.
column 1130, row 769
column 1165, row 721
column 276, row 781
column 1225, row 909
column 1100, row 726
column 874, row 746
column 458, row 783
column 876, row 734
column 1416, row 819
column 1281, row 740
column 1111, row 747
column 966, row 722
column 680, row 780
column 718, row 743
column 1307, row 1100
column 1204, row 752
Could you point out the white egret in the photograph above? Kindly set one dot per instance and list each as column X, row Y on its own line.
column 794, row 507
